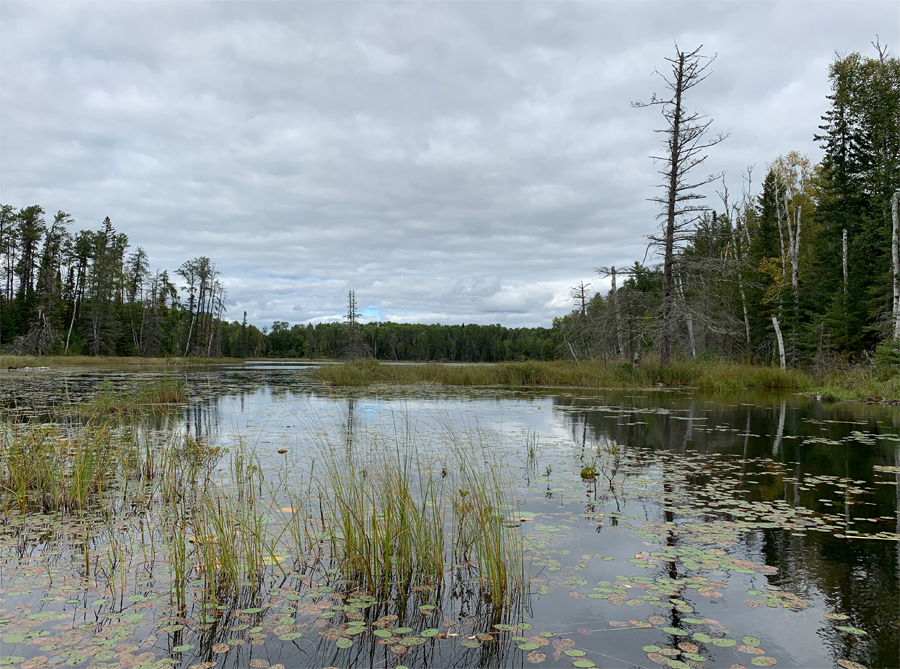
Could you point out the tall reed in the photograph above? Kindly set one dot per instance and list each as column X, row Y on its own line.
column 55, row 468
column 397, row 520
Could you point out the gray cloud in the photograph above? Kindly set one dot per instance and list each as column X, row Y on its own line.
column 450, row 161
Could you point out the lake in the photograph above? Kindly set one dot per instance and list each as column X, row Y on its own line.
column 648, row 528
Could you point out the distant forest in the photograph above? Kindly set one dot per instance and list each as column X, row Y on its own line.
column 811, row 257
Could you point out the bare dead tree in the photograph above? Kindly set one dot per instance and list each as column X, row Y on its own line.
column 684, row 140
column 895, row 261
column 581, row 295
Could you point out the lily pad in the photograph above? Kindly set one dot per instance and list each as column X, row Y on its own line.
column 852, row 630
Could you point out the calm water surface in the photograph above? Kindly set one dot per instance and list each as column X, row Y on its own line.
column 720, row 530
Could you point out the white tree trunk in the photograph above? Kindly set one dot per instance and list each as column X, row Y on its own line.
column 784, row 258
column 895, row 257
column 739, row 256
column 687, row 316
column 846, row 271
column 780, row 342
column 795, row 253
column 618, row 314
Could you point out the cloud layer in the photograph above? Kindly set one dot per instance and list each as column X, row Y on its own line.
column 451, row 162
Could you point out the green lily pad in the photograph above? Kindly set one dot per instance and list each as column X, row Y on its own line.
column 751, row 641
column 675, row 631
column 701, row 637
column 852, row 630
column 430, row 632
column 290, row 636
column 383, row 634
column 182, row 648
column 724, row 643
column 650, row 649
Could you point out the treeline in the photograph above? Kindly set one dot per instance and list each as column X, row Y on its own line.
column 805, row 269
column 388, row 341
column 84, row 292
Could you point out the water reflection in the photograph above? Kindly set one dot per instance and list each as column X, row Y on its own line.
column 684, row 464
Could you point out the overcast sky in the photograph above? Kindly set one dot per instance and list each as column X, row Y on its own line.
column 451, row 162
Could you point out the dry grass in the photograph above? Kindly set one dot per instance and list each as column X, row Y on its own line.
column 685, row 373
column 22, row 361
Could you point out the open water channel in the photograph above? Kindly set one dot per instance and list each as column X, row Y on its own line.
column 718, row 531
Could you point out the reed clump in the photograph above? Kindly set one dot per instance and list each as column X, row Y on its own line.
column 69, row 467
column 591, row 374
column 152, row 397
column 54, row 469
column 394, row 523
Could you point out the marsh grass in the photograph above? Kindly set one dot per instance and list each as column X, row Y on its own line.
column 385, row 522
column 154, row 397
column 391, row 521
column 24, row 361
column 396, row 522
column 872, row 383
column 55, row 469
column 683, row 373
column 70, row 467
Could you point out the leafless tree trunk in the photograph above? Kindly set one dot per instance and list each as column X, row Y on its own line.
column 687, row 317
column 780, row 342
column 846, row 271
column 895, row 257
column 617, row 312
column 684, row 142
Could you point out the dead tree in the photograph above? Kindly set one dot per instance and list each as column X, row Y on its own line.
column 685, row 144
column 895, row 261
column 580, row 294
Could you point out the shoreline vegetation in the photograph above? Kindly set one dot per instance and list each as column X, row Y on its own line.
column 25, row 361
column 872, row 383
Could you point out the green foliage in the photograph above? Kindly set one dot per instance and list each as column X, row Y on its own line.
column 83, row 293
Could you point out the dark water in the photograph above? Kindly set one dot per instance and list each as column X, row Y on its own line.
column 719, row 530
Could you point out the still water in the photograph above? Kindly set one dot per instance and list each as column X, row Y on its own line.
column 717, row 530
